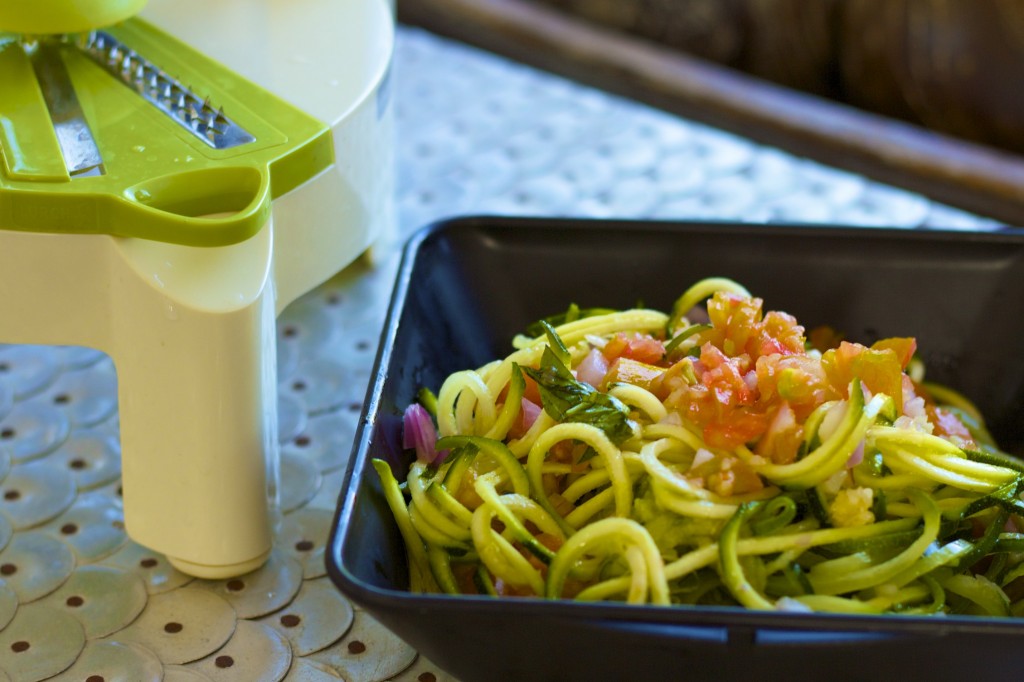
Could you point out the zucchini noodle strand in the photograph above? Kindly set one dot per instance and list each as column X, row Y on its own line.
column 596, row 439
column 464, row 405
column 614, row 535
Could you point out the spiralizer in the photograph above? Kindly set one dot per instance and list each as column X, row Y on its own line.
column 172, row 176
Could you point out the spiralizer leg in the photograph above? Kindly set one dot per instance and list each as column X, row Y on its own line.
column 196, row 361
column 191, row 333
column 196, row 421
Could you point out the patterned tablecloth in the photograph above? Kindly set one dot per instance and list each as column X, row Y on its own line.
column 476, row 134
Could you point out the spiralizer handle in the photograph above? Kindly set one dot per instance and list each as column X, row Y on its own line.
column 204, row 207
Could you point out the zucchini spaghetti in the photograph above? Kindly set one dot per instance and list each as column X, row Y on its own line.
column 716, row 454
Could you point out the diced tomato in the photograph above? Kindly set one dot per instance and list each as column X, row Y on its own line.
column 615, row 347
column 878, row 369
column 640, row 347
column 778, row 333
column 464, row 578
column 754, row 383
column 723, row 401
column 798, row 380
column 738, row 327
column 734, row 477
column 563, row 451
column 767, row 346
column 646, row 349
column 724, row 375
column 678, row 375
column 561, row 505
column 552, row 542
column 781, row 440
column 629, row 371
column 903, row 347
column 735, row 428
column 466, row 494
column 733, row 319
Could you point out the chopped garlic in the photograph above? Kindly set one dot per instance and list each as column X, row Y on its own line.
column 852, row 507
column 918, row 423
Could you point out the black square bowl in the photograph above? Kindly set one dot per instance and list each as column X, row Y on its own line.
column 467, row 286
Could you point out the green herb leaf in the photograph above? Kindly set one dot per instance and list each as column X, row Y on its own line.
column 568, row 400
column 683, row 335
column 588, row 454
column 428, row 400
column 879, row 506
column 556, row 344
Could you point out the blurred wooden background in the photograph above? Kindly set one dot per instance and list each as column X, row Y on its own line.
column 919, row 93
column 950, row 65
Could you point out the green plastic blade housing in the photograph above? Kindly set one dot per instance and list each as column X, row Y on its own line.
column 160, row 181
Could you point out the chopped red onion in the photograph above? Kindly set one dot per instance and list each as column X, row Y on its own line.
column 531, row 411
column 856, row 457
column 528, row 414
column 593, row 368
column 750, row 379
column 418, row 432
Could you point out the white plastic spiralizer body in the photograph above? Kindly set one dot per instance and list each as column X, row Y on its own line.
column 191, row 330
